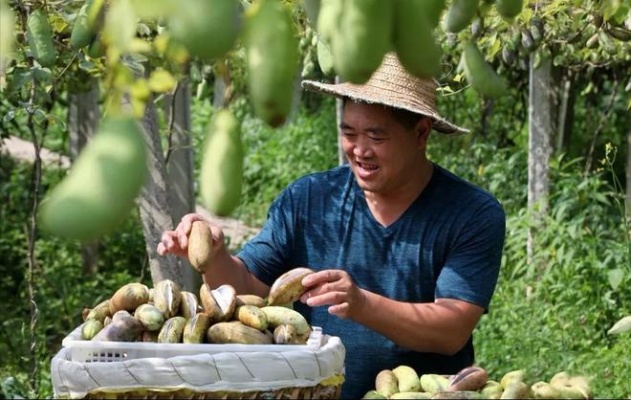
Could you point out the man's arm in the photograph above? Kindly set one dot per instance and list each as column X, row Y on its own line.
column 441, row 327
column 223, row 267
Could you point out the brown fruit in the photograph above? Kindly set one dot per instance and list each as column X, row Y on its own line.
column 236, row 332
column 167, row 296
column 288, row 288
column 128, row 297
column 200, row 246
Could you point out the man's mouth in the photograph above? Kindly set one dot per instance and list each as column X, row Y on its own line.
column 366, row 169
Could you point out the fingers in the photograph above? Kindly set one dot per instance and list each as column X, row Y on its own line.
column 320, row 277
column 169, row 244
column 184, row 227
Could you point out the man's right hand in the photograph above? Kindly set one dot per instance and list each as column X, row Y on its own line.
column 176, row 241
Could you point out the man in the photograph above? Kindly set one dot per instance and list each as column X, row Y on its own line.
column 407, row 254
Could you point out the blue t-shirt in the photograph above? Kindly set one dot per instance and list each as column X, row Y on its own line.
column 447, row 244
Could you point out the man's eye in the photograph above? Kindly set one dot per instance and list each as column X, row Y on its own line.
column 377, row 139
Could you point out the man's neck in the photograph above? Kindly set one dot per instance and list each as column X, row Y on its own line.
column 388, row 207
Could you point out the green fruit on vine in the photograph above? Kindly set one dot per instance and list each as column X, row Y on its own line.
column 271, row 46
column 509, row 9
column 208, row 29
column 82, row 31
column 362, row 38
column 480, row 74
column 7, row 27
column 460, row 14
column 221, row 172
column 96, row 48
column 100, row 189
column 325, row 59
column 434, row 10
column 413, row 41
column 40, row 38
column 329, row 19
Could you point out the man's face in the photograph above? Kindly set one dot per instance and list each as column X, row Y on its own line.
column 382, row 153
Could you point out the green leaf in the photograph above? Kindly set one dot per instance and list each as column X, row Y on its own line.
column 615, row 278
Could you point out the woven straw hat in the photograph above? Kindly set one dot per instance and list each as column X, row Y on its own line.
column 393, row 86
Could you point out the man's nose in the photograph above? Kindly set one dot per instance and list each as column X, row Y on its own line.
column 362, row 147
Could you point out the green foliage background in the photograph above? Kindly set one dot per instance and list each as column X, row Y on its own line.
column 546, row 316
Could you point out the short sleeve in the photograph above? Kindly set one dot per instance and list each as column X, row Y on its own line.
column 471, row 268
column 266, row 255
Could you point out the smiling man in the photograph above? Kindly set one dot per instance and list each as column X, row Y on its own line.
column 406, row 254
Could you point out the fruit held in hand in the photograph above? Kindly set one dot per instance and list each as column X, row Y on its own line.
column 200, row 246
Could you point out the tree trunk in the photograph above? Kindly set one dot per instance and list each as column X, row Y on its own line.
column 83, row 121
column 155, row 206
column 180, row 164
column 565, row 114
column 628, row 171
column 539, row 145
column 339, row 114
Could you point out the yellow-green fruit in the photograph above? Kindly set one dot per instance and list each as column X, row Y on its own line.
column 433, row 383
column 413, row 39
column 189, row 304
column 208, row 29
column 236, row 332
column 40, row 38
column 509, row 8
column 90, row 328
column 150, row 317
column 173, row 330
column 271, row 45
column 329, row 19
column 386, row 383
column 325, row 58
column 516, row 389
column 460, row 14
column 82, row 31
column 167, row 296
column 251, row 316
column 103, row 183
column 221, row 172
column 492, row 390
column 518, row 375
column 411, row 395
column 7, row 28
column 278, row 315
column 362, row 38
column 100, row 311
column 128, row 297
column 480, row 74
column 196, row 328
column 407, row 379
column 373, row 394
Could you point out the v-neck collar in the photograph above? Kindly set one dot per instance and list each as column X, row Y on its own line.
column 393, row 226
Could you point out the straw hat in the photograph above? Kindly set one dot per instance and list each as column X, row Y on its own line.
column 393, row 86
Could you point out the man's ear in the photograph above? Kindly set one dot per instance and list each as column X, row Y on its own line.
column 423, row 128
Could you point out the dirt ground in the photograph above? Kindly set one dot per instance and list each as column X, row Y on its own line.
column 23, row 150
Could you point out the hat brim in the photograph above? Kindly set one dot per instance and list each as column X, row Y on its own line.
column 376, row 95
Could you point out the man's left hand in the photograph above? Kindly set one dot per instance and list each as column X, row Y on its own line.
column 335, row 288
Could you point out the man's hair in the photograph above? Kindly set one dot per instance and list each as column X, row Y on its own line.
column 407, row 119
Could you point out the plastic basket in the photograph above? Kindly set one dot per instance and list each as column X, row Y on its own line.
column 101, row 351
